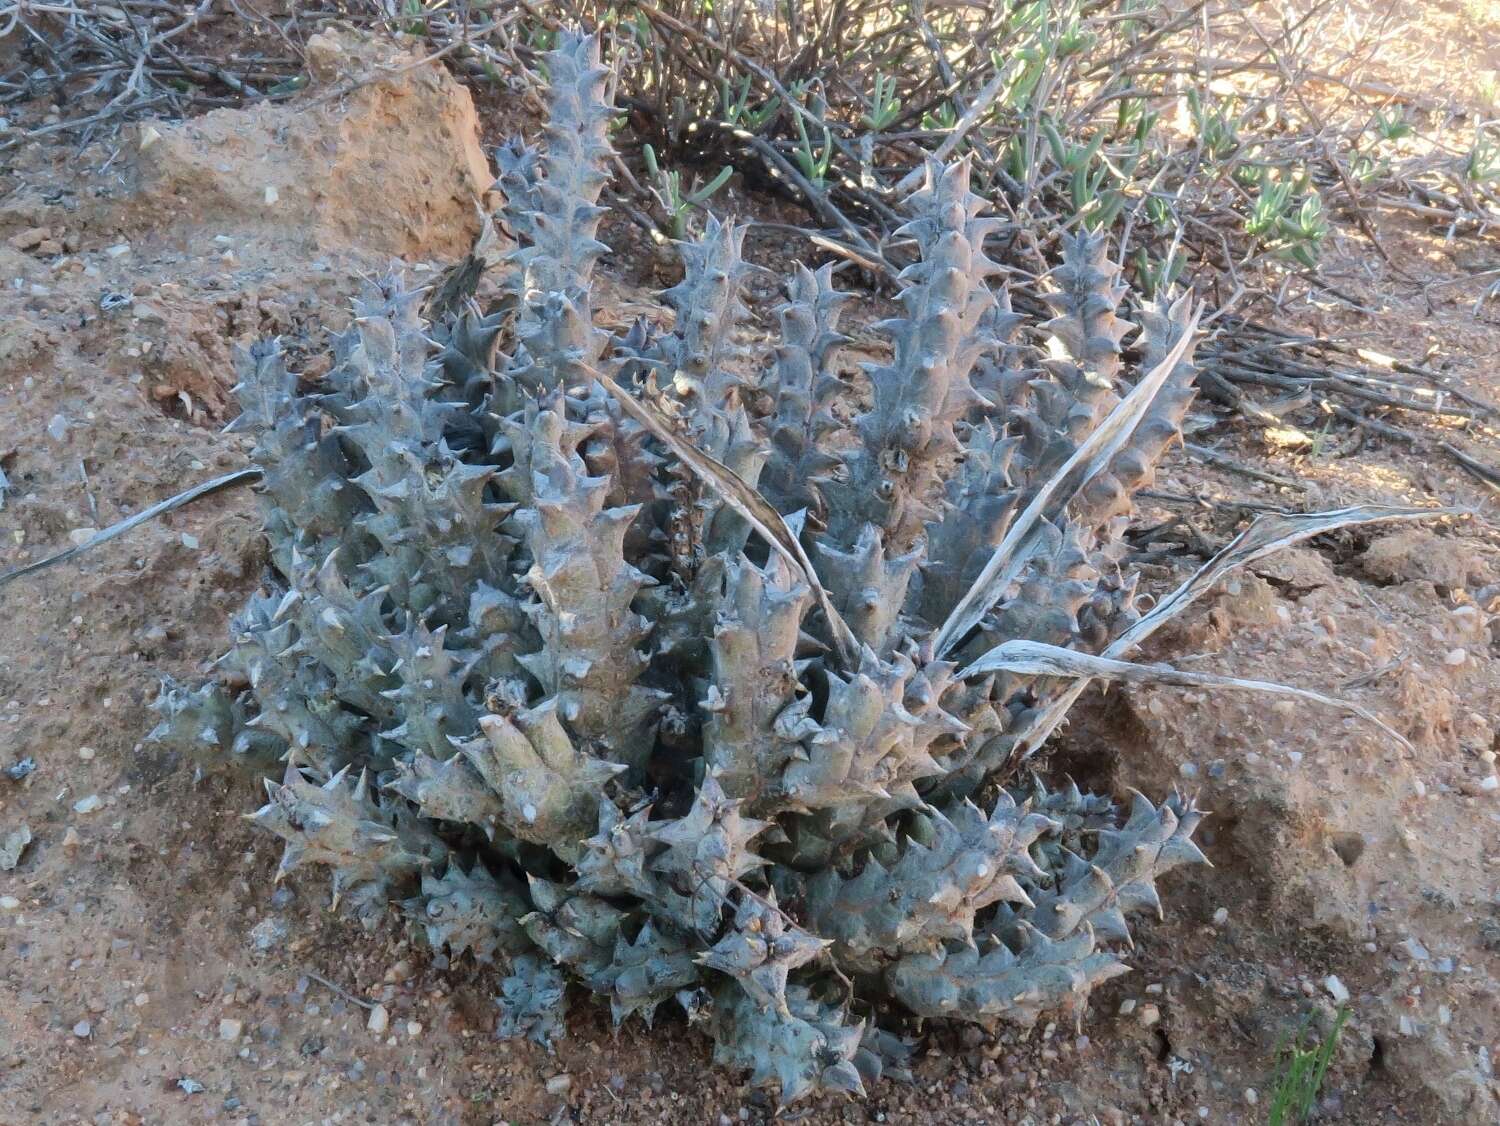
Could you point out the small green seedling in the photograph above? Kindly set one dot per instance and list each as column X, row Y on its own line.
column 1029, row 67
column 1366, row 169
column 884, row 106
column 1214, row 126
column 1092, row 185
column 413, row 22
column 943, row 117
column 1483, row 164
column 1289, row 226
column 1391, row 125
column 735, row 108
column 1300, row 1074
column 666, row 186
column 813, row 160
column 1158, row 275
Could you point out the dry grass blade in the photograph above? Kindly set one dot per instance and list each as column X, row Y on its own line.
column 1267, row 534
column 239, row 476
column 744, row 500
column 1090, row 459
column 1035, row 658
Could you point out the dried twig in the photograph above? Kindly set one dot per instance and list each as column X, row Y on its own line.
column 338, row 989
column 171, row 504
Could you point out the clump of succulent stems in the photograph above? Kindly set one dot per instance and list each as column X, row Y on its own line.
column 701, row 676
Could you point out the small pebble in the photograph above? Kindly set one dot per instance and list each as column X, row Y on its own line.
column 1127, row 1007
column 9, row 903
column 268, row 934
column 1252, row 1096
column 83, row 1029
column 29, row 238
column 18, row 770
column 1336, row 989
column 230, row 1029
column 13, row 847
column 414, row 1028
column 87, row 753
column 1413, row 950
column 560, row 1084
column 88, row 804
column 379, row 1020
column 1455, row 657
column 1221, row 916
column 1149, row 1015
column 1490, row 783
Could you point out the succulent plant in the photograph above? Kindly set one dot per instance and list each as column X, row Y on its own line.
column 642, row 663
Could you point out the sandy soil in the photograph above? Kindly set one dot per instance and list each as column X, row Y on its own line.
column 150, row 970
